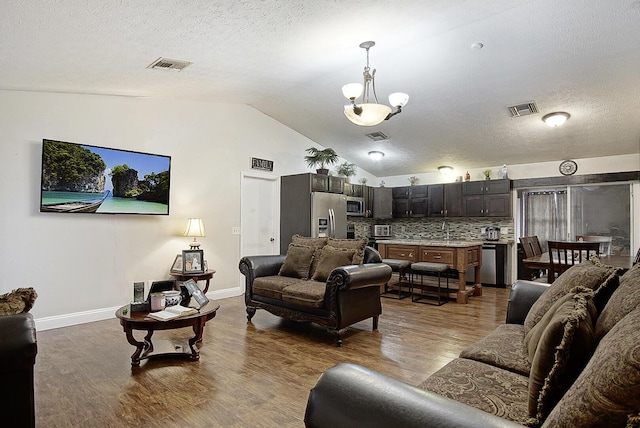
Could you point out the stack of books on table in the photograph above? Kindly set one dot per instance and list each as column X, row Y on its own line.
column 172, row 312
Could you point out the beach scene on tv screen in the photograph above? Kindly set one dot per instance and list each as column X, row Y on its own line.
column 79, row 178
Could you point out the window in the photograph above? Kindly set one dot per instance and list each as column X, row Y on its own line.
column 561, row 213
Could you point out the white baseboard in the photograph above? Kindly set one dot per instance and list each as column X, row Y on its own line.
column 67, row 320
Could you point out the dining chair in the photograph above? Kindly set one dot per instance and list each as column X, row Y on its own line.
column 605, row 242
column 563, row 255
column 531, row 247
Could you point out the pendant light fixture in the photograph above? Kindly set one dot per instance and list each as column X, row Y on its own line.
column 366, row 113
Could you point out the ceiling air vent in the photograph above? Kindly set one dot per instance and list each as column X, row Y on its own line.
column 378, row 136
column 523, row 109
column 169, row 64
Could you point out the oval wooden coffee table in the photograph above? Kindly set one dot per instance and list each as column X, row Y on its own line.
column 141, row 321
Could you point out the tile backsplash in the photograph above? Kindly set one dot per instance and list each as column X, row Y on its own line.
column 462, row 228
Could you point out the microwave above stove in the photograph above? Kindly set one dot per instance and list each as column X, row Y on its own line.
column 355, row 206
column 381, row 230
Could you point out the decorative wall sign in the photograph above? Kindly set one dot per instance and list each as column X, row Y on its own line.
column 263, row 164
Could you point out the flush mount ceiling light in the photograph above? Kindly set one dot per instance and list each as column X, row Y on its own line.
column 556, row 119
column 376, row 155
column 445, row 170
column 366, row 113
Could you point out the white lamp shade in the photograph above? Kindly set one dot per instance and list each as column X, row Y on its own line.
column 398, row 99
column 195, row 227
column 556, row 119
column 372, row 114
column 352, row 90
column 376, row 155
column 445, row 170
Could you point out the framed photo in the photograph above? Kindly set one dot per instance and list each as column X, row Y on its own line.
column 192, row 261
column 176, row 267
column 195, row 292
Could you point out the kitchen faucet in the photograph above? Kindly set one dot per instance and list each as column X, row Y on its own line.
column 445, row 229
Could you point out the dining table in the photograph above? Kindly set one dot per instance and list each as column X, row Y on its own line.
column 541, row 261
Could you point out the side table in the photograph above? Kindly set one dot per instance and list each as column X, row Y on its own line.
column 141, row 321
column 206, row 276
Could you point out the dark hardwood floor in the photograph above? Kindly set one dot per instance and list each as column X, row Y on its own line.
column 254, row 374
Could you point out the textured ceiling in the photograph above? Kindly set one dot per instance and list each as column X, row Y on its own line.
column 289, row 59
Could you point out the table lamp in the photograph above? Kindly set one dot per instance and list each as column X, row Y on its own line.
column 195, row 228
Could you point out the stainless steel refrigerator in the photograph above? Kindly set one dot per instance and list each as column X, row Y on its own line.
column 309, row 213
column 328, row 215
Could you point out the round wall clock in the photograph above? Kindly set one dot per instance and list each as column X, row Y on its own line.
column 568, row 167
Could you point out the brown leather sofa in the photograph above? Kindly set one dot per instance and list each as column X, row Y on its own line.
column 351, row 293
column 18, row 351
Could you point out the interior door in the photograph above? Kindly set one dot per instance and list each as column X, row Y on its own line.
column 259, row 214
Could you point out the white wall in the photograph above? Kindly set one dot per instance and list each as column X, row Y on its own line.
column 83, row 266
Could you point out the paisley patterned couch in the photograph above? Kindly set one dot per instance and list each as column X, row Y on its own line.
column 568, row 356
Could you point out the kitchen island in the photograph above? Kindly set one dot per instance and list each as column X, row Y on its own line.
column 458, row 255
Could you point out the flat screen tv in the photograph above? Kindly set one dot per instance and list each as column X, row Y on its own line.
column 78, row 178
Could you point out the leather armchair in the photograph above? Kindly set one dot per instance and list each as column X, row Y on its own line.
column 18, row 349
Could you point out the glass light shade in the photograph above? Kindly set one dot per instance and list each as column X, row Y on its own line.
column 352, row 90
column 445, row 170
column 556, row 119
column 398, row 99
column 195, row 227
column 372, row 114
column 376, row 155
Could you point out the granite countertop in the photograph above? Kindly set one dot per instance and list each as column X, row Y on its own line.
column 455, row 243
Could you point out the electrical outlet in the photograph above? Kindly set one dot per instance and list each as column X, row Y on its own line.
column 483, row 230
column 235, row 230
column 504, row 230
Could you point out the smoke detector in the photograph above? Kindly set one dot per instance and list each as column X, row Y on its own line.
column 169, row 64
column 378, row 136
column 523, row 109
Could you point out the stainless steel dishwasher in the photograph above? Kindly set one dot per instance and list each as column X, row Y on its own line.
column 488, row 271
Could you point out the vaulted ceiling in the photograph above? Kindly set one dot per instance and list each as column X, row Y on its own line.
column 289, row 59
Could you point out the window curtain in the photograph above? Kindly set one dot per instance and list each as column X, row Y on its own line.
column 545, row 215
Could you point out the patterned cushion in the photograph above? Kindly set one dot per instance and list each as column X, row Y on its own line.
column 17, row 301
column 350, row 244
column 607, row 392
column 622, row 301
column 586, row 274
column 297, row 262
column 272, row 286
column 305, row 293
column 559, row 345
column 496, row 391
column 504, row 348
column 331, row 258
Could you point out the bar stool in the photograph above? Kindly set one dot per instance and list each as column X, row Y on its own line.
column 424, row 268
column 399, row 266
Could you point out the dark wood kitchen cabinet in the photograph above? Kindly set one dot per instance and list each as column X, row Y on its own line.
column 445, row 200
column 410, row 201
column 488, row 198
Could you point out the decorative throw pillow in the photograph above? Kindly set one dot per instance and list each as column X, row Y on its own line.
column 17, row 301
column 623, row 300
column 297, row 263
column 586, row 274
column 331, row 258
column 559, row 347
column 350, row 244
column 607, row 392
column 308, row 242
